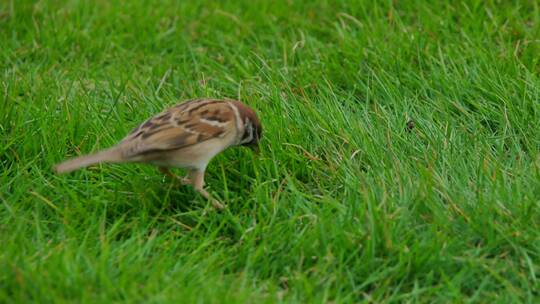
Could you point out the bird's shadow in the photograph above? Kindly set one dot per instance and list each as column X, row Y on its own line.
column 169, row 195
column 161, row 203
column 155, row 193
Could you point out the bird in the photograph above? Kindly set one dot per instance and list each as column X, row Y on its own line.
column 187, row 135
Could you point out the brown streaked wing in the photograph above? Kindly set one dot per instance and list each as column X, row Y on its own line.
column 179, row 127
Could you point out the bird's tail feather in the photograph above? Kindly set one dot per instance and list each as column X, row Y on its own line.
column 112, row 155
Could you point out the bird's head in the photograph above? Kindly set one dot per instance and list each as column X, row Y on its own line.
column 252, row 127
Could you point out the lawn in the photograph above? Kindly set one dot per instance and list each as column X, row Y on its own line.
column 400, row 160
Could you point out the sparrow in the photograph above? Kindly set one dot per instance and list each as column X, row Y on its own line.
column 187, row 135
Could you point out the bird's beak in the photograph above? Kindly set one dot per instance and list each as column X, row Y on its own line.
column 256, row 149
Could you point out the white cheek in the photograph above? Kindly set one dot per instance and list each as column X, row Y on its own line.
column 250, row 137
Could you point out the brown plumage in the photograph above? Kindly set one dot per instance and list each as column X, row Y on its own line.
column 187, row 135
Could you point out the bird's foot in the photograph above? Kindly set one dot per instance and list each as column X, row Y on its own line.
column 184, row 180
column 215, row 203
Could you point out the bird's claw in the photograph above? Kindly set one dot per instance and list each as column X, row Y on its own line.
column 215, row 203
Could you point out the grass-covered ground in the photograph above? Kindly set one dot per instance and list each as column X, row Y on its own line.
column 400, row 160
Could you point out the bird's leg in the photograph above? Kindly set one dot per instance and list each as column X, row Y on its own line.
column 197, row 180
column 183, row 180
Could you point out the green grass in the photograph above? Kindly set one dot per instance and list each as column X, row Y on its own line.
column 344, row 204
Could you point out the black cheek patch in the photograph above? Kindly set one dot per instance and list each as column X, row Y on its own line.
column 247, row 133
